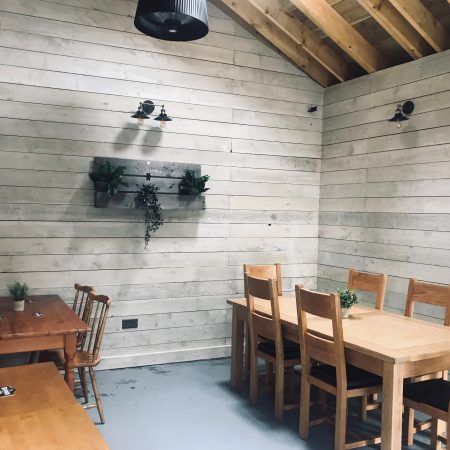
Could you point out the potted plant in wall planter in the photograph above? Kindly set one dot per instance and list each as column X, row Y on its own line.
column 348, row 299
column 147, row 199
column 193, row 185
column 107, row 180
column 19, row 292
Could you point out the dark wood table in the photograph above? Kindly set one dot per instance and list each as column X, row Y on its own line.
column 43, row 414
column 26, row 332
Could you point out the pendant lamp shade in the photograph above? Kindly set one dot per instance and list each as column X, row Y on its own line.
column 172, row 20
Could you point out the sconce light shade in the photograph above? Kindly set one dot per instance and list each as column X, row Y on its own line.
column 402, row 112
column 163, row 118
column 172, row 20
column 140, row 114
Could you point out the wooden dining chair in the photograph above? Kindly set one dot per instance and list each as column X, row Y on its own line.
column 430, row 397
column 266, row 340
column 264, row 271
column 88, row 355
column 436, row 295
column 272, row 271
column 324, row 366
column 369, row 282
column 376, row 284
column 81, row 305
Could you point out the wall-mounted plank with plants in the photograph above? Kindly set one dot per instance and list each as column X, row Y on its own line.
column 147, row 185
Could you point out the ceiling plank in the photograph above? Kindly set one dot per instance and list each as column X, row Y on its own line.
column 273, row 33
column 303, row 36
column 424, row 22
column 397, row 26
column 341, row 32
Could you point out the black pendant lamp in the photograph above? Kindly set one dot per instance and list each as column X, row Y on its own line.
column 172, row 20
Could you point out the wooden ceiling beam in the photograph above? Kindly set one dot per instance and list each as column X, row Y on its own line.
column 424, row 22
column 303, row 36
column 397, row 27
column 273, row 33
column 342, row 33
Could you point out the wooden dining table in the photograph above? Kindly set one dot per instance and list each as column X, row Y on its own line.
column 43, row 414
column 391, row 345
column 46, row 323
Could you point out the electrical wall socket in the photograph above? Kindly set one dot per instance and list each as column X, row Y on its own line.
column 129, row 323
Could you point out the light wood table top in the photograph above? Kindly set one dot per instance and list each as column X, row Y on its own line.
column 392, row 346
column 58, row 318
column 386, row 336
column 43, row 414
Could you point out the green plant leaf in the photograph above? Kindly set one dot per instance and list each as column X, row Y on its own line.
column 110, row 175
column 147, row 199
column 192, row 185
column 348, row 298
column 19, row 291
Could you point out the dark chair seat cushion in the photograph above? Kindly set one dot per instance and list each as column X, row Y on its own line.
column 356, row 377
column 291, row 349
column 434, row 393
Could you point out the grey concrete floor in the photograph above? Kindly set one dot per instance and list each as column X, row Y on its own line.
column 191, row 406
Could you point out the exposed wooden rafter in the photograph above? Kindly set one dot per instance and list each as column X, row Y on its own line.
column 334, row 40
column 424, row 22
column 276, row 35
column 397, row 26
column 341, row 32
column 303, row 36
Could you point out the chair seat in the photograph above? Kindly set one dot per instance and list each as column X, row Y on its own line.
column 82, row 359
column 356, row 378
column 291, row 349
column 435, row 393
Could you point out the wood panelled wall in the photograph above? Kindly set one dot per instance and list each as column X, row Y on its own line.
column 70, row 75
column 385, row 192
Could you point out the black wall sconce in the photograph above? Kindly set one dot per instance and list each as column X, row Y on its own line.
column 144, row 111
column 172, row 20
column 402, row 112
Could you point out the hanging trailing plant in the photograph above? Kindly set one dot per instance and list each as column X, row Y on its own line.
column 147, row 199
column 192, row 185
column 108, row 178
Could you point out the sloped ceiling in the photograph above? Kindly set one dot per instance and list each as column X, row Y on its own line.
column 338, row 40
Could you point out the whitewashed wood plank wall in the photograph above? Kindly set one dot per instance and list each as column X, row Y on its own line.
column 385, row 192
column 70, row 74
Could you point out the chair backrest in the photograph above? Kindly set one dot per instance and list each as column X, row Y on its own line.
column 81, row 306
column 98, row 313
column 318, row 347
column 263, row 324
column 430, row 293
column 369, row 282
column 81, row 299
column 272, row 271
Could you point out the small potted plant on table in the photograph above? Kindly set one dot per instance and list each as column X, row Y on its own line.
column 19, row 292
column 348, row 299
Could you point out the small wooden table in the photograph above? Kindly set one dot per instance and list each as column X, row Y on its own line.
column 57, row 328
column 43, row 414
column 390, row 345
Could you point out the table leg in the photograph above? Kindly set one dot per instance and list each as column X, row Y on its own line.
column 70, row 347
column 237, row 349
column 391, row 418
